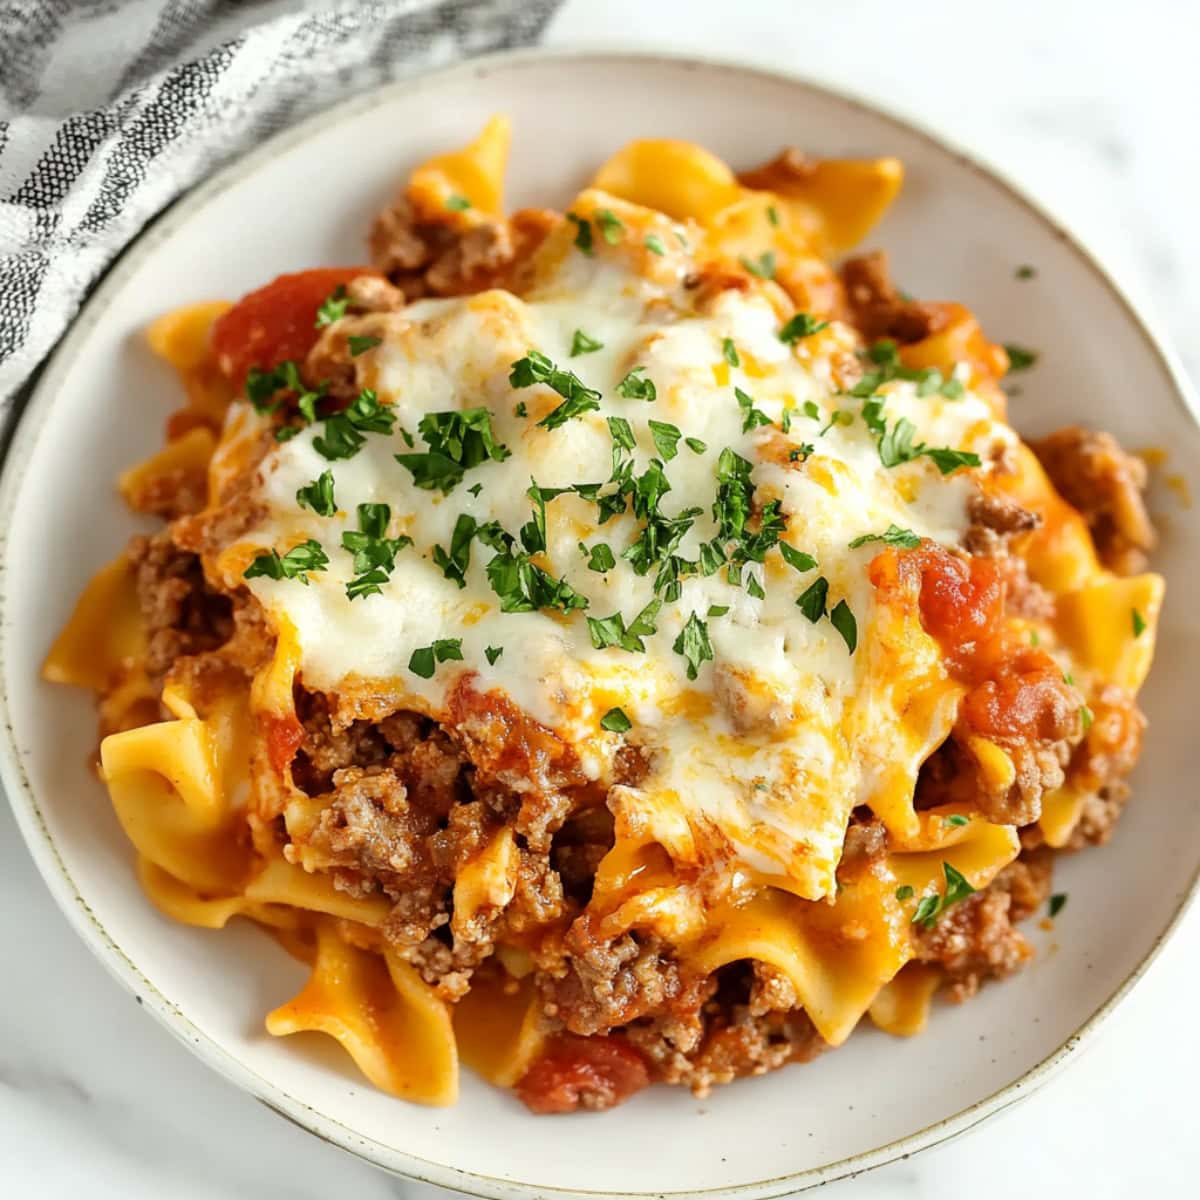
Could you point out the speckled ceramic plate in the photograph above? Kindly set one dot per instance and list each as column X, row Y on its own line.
column 305, row 198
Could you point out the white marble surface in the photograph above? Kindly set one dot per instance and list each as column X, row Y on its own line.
column 1092, row 106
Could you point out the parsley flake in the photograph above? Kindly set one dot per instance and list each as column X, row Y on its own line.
column 582, row 344
column 813, row 599
column 583, row 233
column 957, row 820
column 1019, row 358
column 842, row 619
column 333, row 307
column 457, row 441
column 1025, row 271
column 457, row 203
column 666, row 438
column 423, row 660
column 717, row 610
column 751, row 416
column 615, row 721
column 636, row 387
column 729, row 352
column 577, row 397
column 295, row 564
column 345, row 432
column 801, row 325
column 797, row 558
column 904, row 892
column 1139, row 622
column 655, row 244
column 904, row 539
column 763, row 267
column 693, row 644
column 600, row 558
column 492, row 653
column 610, row 225
column 932, row 906
column 318, row 495
column 773, row 215
column 360, row 345
column 695, row 445
column 1057, row 903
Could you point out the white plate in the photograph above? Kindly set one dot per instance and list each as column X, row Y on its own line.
column 305, row 199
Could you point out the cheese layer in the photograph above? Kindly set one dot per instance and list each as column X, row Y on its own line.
column 785, row 730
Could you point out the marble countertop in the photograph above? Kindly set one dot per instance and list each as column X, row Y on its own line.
column 1095, row 115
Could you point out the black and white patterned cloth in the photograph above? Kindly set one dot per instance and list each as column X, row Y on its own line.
column 110, row 108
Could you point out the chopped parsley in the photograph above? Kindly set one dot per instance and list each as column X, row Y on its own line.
column 520, row 409
column 600, row 557
column 813, row 599
column 1019, row 358
column 729, row 352
column 904, row 892
column 1085, row 715
column 717, row 610
column 904, row 539
column 615, row 721
column 842, row 619
column 666, row 438
column 1139, row 622
column 612, row 631
column 932, row 906
column 582, row 344
column 318, row 495
column 751, row 416
column 693, row 644
column 423, row 661
column 295, row 564
column 801, row 452
column 636, row 387
column 1025, row 271
column 695, row 445
column 374, row 552
column 492, row 653
column 773, row 215
column 521, row 585
column 655, row 244
column 345, row 432
column 896, row 447
column 610, row 225
column 1057, row 903
column 262, row 386
column 622, row 433
column 839, row 416
column 810, row 410
column 457, row 203
column 360, row 345
column 583, row 233
column 333, row 307
column 475, row 489
column 577, row 397
column 455, row 561
column 801, row 325
column 457, row 441
column 763, row 266
column 797, row 558
column 958, row 820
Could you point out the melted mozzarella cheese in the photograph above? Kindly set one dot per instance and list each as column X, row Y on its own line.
column 786, row 730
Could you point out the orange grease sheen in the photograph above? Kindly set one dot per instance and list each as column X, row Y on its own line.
column 277, row 322
column 1015, row 688
column 284, row 735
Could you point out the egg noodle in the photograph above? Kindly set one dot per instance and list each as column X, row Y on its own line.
column 614, row 646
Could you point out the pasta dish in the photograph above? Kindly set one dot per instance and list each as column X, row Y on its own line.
column 617, row 646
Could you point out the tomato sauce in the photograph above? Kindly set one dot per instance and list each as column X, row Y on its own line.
column 593, row 1073
column 277, row 322
column 1015, row 690
column 284, row 735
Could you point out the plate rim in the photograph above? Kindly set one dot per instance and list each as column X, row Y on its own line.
column 27, row 426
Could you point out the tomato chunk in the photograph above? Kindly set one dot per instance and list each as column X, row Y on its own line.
column 276, row 322
column 284, row 735
column 574, row 1072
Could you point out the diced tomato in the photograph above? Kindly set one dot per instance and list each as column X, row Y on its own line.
column 574, row 1072
column 284, row 735
column 961, row 600
column 277, row 322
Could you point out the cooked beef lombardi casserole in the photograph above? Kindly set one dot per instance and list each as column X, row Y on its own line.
column 614, row 646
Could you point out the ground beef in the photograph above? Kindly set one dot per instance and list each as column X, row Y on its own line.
column 181, row 613
column 878, row 310
column 609, row 982
column 447, row 258
column 1105, row 484
column 1027, row 881
column 368, row 820
column 171, row 494
column 995, row 520
column 974, row 941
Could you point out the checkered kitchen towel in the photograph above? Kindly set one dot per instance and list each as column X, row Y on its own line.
column 110, row 108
